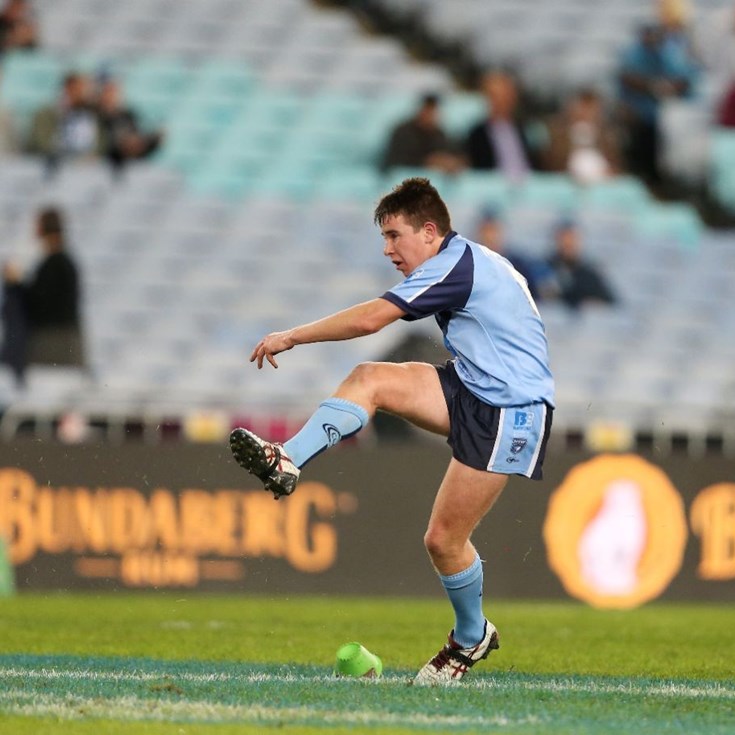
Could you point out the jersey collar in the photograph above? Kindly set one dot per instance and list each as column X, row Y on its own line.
column 446, row 240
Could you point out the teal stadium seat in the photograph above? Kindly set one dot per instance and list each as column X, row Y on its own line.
column 670, row 223
column 361, row 183
column 481, row 189
column 224, row 78
column 624, row 194
column 162, row 75
column 29, row 80
column 459, row 112
column 722, row 167
column 555, row 191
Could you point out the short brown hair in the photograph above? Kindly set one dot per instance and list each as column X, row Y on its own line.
column 418, row 201
column 50, row 221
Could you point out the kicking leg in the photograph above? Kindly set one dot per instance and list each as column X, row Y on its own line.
column 411, row 390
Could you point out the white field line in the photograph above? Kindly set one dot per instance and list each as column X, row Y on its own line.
column 20, row 702
column 711, row 690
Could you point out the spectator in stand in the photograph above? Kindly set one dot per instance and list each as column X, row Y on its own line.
column 537, row 272
column 41, row 315
column 123, row 139
column 8, row 137
column 68, row 128
column 652, row 70
column 421, row 142
column 582, row 141
column 18, row 28
column 501, row 141
column 578, row 280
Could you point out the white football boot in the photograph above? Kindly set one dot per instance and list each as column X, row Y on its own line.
column 453, row 661
column 267, row 461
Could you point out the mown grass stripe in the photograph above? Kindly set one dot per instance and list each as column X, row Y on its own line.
column 501, row 683
column 70, row 707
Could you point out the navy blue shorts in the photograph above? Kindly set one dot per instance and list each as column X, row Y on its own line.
column 511, row 441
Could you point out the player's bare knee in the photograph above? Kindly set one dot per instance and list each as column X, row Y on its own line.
column 438, row 543
column 368, row 378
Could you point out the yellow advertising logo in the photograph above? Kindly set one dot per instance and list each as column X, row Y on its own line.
column 615, row 531
column 713, row 519
column 168, row 538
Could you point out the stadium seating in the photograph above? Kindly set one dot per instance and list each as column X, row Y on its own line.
column 257, row 212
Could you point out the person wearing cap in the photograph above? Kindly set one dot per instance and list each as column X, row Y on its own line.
column 420, row 142
column 579, row 281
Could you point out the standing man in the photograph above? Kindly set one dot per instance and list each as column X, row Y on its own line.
column 42, row 314
column 494, row 400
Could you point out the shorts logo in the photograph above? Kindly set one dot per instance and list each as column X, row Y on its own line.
column 518, row 445
column 333, row 434
column 523, row 420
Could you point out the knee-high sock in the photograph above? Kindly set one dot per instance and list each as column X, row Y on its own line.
column 464, row 590
column 335, row 419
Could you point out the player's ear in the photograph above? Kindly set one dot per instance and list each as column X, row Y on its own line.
column 430, row 231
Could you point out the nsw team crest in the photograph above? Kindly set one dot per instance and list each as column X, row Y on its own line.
column 518, row 445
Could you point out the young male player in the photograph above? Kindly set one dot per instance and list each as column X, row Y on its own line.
column 494, row 400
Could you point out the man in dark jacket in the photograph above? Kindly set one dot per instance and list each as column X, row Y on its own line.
column 501, row 141
column 579, row 281
column 47, row 305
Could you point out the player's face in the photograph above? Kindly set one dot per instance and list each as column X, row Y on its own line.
column 406, row 247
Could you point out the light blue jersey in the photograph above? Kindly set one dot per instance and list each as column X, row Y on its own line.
column 489, row 320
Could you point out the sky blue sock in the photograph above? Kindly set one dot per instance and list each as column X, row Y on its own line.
column 465, row 593
column 335, row 419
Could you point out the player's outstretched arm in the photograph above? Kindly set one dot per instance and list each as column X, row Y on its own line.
column 357, row 321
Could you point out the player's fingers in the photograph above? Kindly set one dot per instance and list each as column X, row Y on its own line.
column 254, row 354
column 272, row 360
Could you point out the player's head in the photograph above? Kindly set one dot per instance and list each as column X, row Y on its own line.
column 567, row 239
column 413, row 220
column 490, row 229
column 418, row 202
column 50, row 228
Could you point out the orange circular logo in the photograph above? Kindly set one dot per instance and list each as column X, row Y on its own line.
column 615, row 531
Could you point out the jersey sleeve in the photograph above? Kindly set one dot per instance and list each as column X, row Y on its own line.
column 443, row 282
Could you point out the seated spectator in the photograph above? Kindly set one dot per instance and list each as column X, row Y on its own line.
column 582, row 141
column 18, row 29
column 420, row 141
column 123, row 139
column 8, row 137
column 501, row 141
column 578, row 280
column 42, row 314
column 652, row 70
column 537, row 272
column 68, row 128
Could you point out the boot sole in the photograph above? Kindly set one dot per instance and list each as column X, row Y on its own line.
column 249, row 454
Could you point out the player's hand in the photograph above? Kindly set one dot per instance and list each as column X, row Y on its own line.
column 270, row 346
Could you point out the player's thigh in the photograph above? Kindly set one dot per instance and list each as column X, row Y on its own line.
column 464, row 497
column 411, row 390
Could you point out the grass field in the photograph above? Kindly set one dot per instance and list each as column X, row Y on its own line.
column 168, row 664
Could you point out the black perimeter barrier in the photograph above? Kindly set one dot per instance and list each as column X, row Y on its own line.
column 614, row 530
